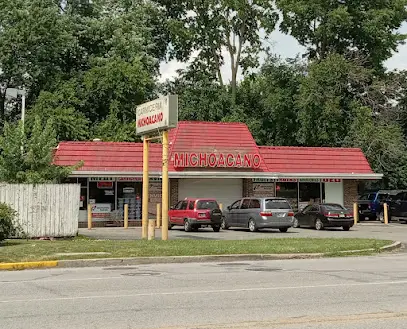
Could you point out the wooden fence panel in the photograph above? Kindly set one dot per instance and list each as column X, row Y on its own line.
column 44, row 210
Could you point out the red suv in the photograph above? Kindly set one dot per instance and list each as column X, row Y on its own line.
column 195, row 213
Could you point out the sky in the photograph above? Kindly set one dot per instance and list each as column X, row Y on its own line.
column 286, row 47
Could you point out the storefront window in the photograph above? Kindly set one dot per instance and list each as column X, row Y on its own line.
column 288, row 190
column 310, row 193
column 102, row 194
column 129, row 193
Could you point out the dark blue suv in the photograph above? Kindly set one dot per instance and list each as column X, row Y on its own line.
column 370, row 204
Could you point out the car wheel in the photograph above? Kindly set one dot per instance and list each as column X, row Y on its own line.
column 252, row 226
column 319, row 225
column 224, row 224
column 381, row 217
column 216, row 228
column 187, row 226
column 296, row 224
column 283, row 229
column 346, row 228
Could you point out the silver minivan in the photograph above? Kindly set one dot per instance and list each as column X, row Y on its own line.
column 257, row 213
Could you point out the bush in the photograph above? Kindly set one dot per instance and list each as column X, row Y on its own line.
column 8, row 227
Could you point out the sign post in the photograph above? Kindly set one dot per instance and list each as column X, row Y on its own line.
column 155, row 118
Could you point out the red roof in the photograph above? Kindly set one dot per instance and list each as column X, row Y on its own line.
column 211, row 137
column 108, row 156
column 287, row 159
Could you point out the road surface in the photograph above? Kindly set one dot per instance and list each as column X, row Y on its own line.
column 340, row 293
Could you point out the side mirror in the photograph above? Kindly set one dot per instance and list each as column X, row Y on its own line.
column 228, row 208
column 172, row 208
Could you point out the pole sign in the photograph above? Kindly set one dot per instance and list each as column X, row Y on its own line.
column 159, row 114
column 216, row 160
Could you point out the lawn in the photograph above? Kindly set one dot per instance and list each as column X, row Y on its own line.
column 35, row 250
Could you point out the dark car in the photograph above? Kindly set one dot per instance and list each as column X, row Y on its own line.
column 323, row 215
column 397, row 207
column 195, row 213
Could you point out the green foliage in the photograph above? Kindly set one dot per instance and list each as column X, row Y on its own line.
column 8, row 227
column 368, row 27
column 29, row 159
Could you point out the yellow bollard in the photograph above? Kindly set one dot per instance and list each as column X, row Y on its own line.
column 89, row 216
column 221, row 206
column 158, row 215
column 386, row 213
column 151, row 229
column 126, row 216
column 355, row 213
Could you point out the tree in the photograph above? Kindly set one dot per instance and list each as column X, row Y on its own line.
column 28, row 158
column 210, row 28
column 324, row 26
column 33, row 38
column 269, row 99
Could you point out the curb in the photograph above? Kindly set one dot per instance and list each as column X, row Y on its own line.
column 28, row 265
column 100, row 262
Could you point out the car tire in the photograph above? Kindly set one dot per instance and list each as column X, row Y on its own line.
column 319, row 225
column 283, row 229
column 381, row 217
column 224, row 224
column 216, row 228
column 252, row 226
column 346, row 228
column 296, row 223
column 187, row 226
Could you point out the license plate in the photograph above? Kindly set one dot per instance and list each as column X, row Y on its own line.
column 342, row 215
column 280, row 215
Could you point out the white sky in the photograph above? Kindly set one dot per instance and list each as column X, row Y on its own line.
column 287, row 47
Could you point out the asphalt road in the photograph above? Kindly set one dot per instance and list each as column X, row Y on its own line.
column 340, row 293
column 377, row 230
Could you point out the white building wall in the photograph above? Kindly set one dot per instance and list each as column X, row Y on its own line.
column 334, row 192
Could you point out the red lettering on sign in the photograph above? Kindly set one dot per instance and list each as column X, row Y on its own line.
column 247, row 160
column 150, row 120
column 202, row 159
column 238, row 162
column 193, row 160
column 179, row 160
column 212, row 160
column 230, row 160
column 221, row 161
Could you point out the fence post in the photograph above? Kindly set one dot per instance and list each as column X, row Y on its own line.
column 158, row 215
column 126, row 216
column 386, row 213
column 151, row 229
column 355, row 213
column 89, row 216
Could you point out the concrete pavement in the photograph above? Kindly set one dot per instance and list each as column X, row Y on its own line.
column 360, row 292
column 377, row 230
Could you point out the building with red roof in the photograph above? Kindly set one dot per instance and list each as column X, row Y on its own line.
column 211, row 159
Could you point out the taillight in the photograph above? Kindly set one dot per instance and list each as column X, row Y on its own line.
column 329, row 214
column 349, row 215
column 290, row 214
column 266, row 214
column 202, row 214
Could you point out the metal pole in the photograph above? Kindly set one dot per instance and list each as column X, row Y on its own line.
column 385, row 214
column 165, row 198
column 144, row 220
column 126, row 216
column 89, row 216
column 158, row 215
column 355, row 213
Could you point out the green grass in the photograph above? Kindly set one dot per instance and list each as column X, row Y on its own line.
column 34, row 250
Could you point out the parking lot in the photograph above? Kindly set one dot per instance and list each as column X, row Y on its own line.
column 377, row 230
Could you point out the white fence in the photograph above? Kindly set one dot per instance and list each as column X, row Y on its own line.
column 44, row 210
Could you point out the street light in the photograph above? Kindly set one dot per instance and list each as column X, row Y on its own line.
column 14, row 93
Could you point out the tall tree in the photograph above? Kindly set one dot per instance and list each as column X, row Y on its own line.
column 326, row 26
column 205, row 30
column 33, row 38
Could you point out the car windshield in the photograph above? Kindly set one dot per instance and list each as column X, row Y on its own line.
column 277, row 204
column 383, row 196
column 333, row 207
column 207, row 204
column 369, row 197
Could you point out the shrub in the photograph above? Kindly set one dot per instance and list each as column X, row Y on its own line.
column 8, row 227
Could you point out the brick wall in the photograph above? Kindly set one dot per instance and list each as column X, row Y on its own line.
column 350, row 193
column 173, row 191
column 247, row 187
